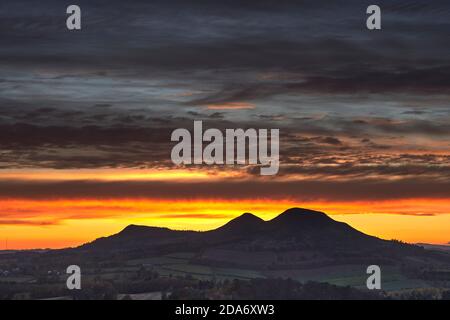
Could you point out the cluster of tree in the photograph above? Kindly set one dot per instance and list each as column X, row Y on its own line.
column 273, row 289
column 423, row 294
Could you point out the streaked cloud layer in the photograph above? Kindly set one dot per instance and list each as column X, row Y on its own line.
column 363, row 116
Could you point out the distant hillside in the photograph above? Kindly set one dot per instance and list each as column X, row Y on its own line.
column 438, row 247
column 245, row 258
column 296, row 238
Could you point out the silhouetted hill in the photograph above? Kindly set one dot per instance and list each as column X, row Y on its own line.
column 307, row 228
column 314, row 229
column 437, row 247
column 247, row 223
column 133, row 237
column 298, row 216
column 299, row 244
column 295, row 237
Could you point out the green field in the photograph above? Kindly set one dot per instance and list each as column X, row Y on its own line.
column 179, row 264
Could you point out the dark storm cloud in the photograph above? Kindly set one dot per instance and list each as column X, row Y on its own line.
column 27, row 135
column 139, row 69
column 356, row 190
column 324, row 46
column 353, row 170
column 328, row 140
column 179, row 35
column 135, row 142
column 427, row 81
column 394, row 126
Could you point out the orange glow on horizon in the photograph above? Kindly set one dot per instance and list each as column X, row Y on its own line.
column 230, row 106
column 114, row 174
column 70, row 222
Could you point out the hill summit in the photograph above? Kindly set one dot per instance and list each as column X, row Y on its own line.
column 296, row 236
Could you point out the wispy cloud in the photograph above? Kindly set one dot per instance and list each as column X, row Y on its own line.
column 231, row 106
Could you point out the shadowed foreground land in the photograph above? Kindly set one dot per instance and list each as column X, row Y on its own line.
column 301, row 254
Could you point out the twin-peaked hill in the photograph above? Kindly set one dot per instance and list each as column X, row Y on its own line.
column 294, row 238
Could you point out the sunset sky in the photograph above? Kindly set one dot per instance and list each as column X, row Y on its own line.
column 86, row 116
